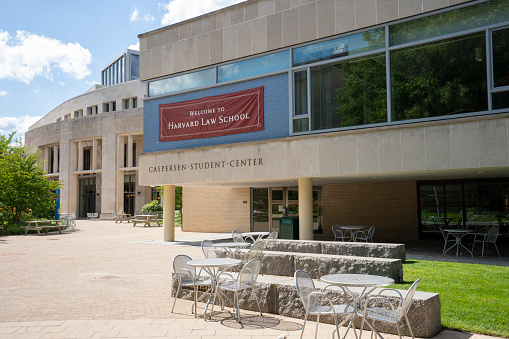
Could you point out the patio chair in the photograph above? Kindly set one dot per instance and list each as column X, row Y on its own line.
column 338, row 232
column 208, row 248
column 487, row 238
column 186, row 275
column 245, row 280
column 365, row 236
column 387, row 311
column 237, row 236
column 318, row 303
column 271, row 239
column 446, row 239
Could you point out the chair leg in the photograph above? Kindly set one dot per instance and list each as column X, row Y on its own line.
column 304, row 325
column 409, row 327
column 317, row 322
column 175, row 298
column 497, row 249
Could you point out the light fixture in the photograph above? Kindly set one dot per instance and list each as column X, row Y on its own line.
column 480, row 172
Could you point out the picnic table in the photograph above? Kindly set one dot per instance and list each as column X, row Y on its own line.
column 38, row 225
column 146, row 220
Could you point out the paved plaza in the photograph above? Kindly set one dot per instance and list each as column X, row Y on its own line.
column 108, row 280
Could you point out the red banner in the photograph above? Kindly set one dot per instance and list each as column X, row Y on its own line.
column 225, row 114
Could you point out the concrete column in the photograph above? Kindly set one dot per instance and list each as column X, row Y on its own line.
column 94, row 154
column 80, row 155
column 47, row 159
column 169, row 212
column 129, row 151
column 305, row 209
column 55, row 159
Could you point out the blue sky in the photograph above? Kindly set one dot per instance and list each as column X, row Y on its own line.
column 54, row 50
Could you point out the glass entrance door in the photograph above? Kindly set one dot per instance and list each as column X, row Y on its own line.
column 86, row 197
column 260, row 198
column 129, row 193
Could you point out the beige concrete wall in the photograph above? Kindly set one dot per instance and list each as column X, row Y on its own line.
column 401, row 150
column 96, row 97
column 390, row 206
column 105, row 127
column 254, row 27
column 206, row 209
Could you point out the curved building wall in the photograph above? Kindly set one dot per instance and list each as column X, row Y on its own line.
column 101, row 148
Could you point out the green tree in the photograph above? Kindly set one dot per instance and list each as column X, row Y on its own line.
column 23, row 187
column 178, row 196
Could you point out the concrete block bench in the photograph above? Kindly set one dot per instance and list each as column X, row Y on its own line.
column 279, row 295
column 316, row 265
column 358, row 249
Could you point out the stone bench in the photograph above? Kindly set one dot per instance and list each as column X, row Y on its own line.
column 316, row 265
column 358, row 249
column 279, row 295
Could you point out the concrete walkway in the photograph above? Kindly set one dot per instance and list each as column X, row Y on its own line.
column 105, row 281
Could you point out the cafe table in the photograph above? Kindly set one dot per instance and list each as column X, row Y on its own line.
column 228, row 246
column 214, row 267
column 352, row 230
column 457, row 234
column 366, row 282
column 255, row 236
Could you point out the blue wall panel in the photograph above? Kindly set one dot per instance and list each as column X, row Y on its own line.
column 275, row 114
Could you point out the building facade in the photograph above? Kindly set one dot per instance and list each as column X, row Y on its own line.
column 92, row 142
column 355, row 112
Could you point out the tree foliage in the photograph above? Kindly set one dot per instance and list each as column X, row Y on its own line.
column 23, row 187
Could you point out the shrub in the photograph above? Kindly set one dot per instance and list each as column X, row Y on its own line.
column 153, row 206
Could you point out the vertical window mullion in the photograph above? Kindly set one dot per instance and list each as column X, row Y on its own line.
column 388, row 75
column 308, row 70
column 489, row 68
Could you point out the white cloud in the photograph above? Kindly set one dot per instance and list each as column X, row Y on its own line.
column 135, row 16
column 29, row 55
column 18, row 124
column 135, row 47
column 179, row 10
column 3, row 93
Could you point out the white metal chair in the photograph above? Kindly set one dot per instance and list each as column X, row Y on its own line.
column 446, row 239
column 365, row 236
column 318, row 303
column 387, row 311
column 271, row 239
column 186, row 275
column 487, row 238
column 237, row 236
column 208, row 248
column 245, row 280
column 338, row 232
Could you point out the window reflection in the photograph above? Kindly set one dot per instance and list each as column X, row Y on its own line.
column 182, row 82
column 349, row 93
column 337, row 48
column 430, row 80
column 251, row 67
column 500, row 41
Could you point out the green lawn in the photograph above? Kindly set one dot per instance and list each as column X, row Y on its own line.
column 474, row 298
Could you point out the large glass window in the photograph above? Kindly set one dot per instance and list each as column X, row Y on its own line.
column 349, row 93
column 476, row 204
column 182, row 82
column 301, row 92
column 500, row 41
column 252, row 67
column 483, row 14
column 135, row 67
column 440, row 78
column 337, row 48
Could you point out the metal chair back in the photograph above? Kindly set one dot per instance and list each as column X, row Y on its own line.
column 407, row 302
column 209, row 251
column 237, row 236
column 256, row 251
column 181, row 267
column 492, row 235
column 305, row 286
column 338, row 232
column 249, row 273
column 271, row 239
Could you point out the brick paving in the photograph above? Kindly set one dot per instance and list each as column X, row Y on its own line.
column 108, row 280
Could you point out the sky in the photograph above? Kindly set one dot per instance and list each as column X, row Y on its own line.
column 54, row 50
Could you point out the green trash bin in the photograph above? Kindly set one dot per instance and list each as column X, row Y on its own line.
column 289, row 228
